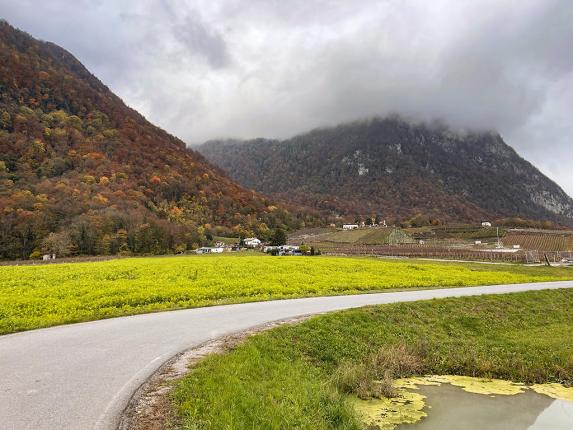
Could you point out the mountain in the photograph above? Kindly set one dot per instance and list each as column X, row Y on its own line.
column 78, row 163
column 397, row 169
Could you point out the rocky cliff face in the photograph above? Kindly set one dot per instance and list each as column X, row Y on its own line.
column 397, row 169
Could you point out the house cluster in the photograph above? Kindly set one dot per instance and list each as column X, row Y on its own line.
column 47, row 257
column 220, row 247
column 283, row 250
column 250, row 243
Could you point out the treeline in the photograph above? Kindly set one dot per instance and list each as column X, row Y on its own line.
column 113, row 232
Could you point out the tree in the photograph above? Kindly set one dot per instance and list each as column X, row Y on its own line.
column 377, row 219
column 57, row 243
column 5, row 120
column 84, row 237
column 279, row 237
column 369, row 221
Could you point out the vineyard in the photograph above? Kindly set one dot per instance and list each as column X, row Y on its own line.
column 451, row 243
column 424, row 251
column 540, row 241
column 446, row 253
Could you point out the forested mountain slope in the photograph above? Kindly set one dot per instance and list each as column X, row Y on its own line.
column 77, row 162
column 398, row 169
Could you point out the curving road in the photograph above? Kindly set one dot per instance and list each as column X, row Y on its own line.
column 81, row 376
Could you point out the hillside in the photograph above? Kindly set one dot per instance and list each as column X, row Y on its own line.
column 75, row 161
column 397, row 169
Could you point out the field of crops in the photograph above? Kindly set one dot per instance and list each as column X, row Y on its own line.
column 540, row 241
column 373, row 236
column 46, row 295
column 346, row 236
column 442, row 251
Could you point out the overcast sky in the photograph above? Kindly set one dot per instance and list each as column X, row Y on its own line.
column 275, row 68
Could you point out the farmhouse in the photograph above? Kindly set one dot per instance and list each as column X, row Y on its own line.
column 252, row 242
column 486, row 224
column 349, row 226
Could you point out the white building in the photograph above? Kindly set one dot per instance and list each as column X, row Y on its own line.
column 289, row 250
column 252, row 242
column 349, row 226
column 486, row 224
column 210, row 250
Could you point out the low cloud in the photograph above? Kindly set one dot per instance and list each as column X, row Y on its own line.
column 231, row 68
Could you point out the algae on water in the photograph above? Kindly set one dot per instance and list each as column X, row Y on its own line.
column 481, row 385
column 408, row 406
column 555, row 391
column 386, row 414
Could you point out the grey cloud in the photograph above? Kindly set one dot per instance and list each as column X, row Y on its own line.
column 198, row 38
column 195, row 36
column 246, row 68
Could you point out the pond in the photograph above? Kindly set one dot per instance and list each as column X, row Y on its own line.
column 451, row 408
column 449, row 402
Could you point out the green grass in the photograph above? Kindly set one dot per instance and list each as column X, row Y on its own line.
column 226, row 240
column 46, row 295
column 346, row 236
column 285, row 378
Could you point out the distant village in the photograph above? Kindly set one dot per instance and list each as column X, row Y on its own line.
column 254, row 243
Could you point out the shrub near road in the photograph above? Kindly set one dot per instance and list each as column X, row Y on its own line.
column 46, row 295
column 299, row 376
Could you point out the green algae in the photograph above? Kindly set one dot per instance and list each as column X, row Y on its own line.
column 408, row 406
column 387, row 413
column 414, row 382
column 555, row 391
column 485, row 386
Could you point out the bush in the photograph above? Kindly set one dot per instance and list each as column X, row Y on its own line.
column 372, row 377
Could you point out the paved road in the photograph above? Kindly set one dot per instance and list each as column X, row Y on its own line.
column 81, row 376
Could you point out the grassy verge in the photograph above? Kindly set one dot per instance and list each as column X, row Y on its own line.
column 298, row 376
column 41, row 296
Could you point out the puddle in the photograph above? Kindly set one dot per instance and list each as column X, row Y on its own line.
column 458, row 402
column 451, row 408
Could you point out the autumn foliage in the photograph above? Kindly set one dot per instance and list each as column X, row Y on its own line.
column 75, row 161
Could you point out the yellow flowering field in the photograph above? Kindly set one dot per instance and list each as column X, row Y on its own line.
column 46, row 295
